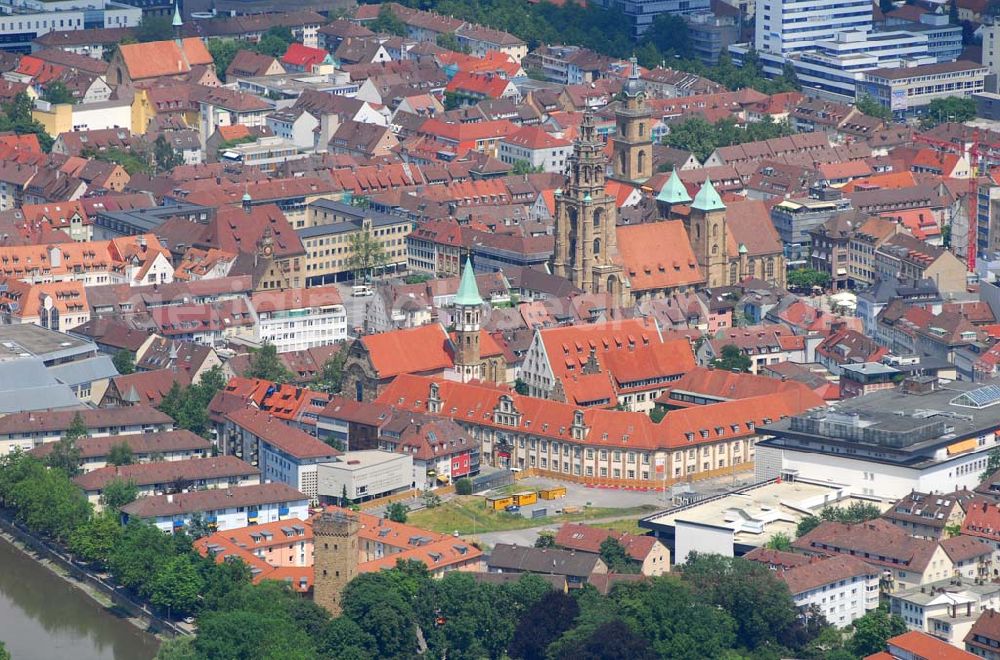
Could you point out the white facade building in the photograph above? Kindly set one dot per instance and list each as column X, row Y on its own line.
column 784, row 27
column 365, row 475
column 297, row 319
column 21, row 21
column 224, row 508
column 945, row 609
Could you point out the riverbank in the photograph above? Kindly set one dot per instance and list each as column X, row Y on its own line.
column 45, row 613
column 93, row 587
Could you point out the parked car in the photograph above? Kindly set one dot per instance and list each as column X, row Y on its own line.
column 512, row 508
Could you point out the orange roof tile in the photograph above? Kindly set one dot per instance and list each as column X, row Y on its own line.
column 658, row 256
column 154, row 59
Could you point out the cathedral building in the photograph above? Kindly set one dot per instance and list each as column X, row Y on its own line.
column 680, row 244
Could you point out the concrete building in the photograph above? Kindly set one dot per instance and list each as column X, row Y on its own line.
column 223, row 508
column 168, row 446
column 330, row 235
column 284, row 454
column 266, row 153
column 796, row 219
column 784, row 27
column 365, row 475
column 298, row 319
column 909, row 90
column 946, row 609
column 24, row 20
column 642, row 13
column 536, row 147
column 712, row 32
column 919, row 436
column 26, row 430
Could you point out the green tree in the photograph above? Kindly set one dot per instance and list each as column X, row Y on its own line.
column 431, row 500
column 165, row 157
column 615, row 556
column 886, row 6
column 178, row 648
column 154, row 28
column 16, row 117
column 463, row 486
column 57, row 92
column 245, row 633
column 138, row 557
column 873, row 108
column 779, row 541
column 524, row 167
column 992, row 464
column 807, row 278
column 4, row 653
column 124, row 362
column 176, row 585
column 274, row 42
column 612, row 640
column 657, row 414
column 758, row 601
column 120, row 454
column 342, row 638
column 854, row 513
column 367, row 255
column 546, row 539
column 448, row 40
column 542, row 624
column 389, row 23
column 951, row 109
column 96, row 539
column 223, row 51
column 732, row 359
column 382, row 606
column 65, row 455
column 331, row 378
column 266, row 365
column 873, row 629
column 117, row 493
column 806, row 525
column 50, row 504
column 198, row 527
column 396, row 512
column 669, row 34
column 223, row 581
column 790, row 77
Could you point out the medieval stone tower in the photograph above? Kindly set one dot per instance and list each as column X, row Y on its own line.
column 468, row 316
column 707, row 233
column 585, row 242
column 335, row 563
column 633, row 140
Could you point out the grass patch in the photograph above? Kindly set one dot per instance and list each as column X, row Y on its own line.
column 468, row 514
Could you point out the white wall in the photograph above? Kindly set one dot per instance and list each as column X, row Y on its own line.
column 692, row 536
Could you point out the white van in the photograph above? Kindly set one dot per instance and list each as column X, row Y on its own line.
column 361, row 290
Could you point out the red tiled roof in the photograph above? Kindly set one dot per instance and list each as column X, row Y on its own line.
column 584, row 538
column 658, row 256
column 921, row 645
column 290, row 440
column 303, row 56
column 163, row 58
column 167, row 472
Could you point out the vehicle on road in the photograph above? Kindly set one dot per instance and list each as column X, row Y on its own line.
column 513, row 508
column 361, row 291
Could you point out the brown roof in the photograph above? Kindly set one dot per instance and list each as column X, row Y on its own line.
column 824, row 571
column 60, row 420
column 962, row 548
column 167, row 472
column 658, row 256
column 877, row 541
column 206, row 500
column 584, row 538
column 161, row 442
column 987, row 626
column 163, row 58
column 749, row 223
column 291, row 440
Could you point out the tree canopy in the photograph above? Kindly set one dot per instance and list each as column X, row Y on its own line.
column 732, row 359
column 266, row 365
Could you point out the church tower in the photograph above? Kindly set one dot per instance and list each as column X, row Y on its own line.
column 673, row 193
column 335, row 557
column 707, row 232
column 586, row 243
column 468, row 316
column 633, row 140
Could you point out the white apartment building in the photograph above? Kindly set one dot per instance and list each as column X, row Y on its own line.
column 224, row 508
column 297, row 319
column 844, row 589
column 784, row 27
column 21, row 21
column 539, row 149
column 945, row 609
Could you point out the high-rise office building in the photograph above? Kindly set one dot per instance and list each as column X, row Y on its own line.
column 784, row 27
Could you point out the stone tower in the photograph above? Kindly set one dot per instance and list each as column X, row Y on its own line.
column 468, row 316
column 707, row 232
column 335, row 562
column 633, row 141
column 586, row 244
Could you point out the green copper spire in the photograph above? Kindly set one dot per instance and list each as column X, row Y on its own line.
column 178, row 22
column 468, row 291
column 707, row 198
column 673, row 191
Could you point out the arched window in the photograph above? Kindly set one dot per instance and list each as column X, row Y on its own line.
column 715, row 230
column 733, row 273
column 598, row 218
column 597, row 246
column 770, row 268
column 622, row 160
column 642, row 161
column 642, row 128
column 715, row 249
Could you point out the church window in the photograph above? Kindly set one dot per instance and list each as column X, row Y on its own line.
column 770, row 268
column 715, row 231
column 733, row 273
column 642, row 161
column 597, row 246
column 642, row 129
column 715, row 249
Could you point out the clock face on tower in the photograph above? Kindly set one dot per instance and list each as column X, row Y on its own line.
column 267, row 250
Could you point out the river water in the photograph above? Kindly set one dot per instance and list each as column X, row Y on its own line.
column 42, row 617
